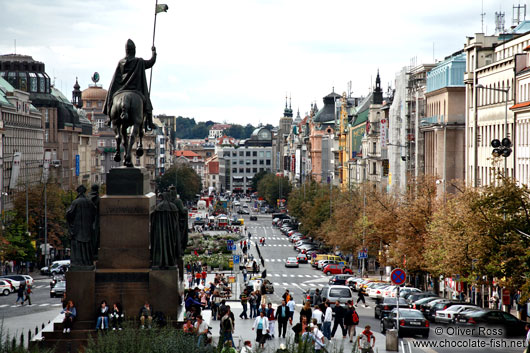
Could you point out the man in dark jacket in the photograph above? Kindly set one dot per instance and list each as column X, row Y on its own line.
column 282, row 316
column 340, row 313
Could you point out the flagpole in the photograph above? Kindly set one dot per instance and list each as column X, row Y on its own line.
column 154, row 30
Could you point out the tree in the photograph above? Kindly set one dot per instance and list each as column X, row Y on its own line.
column 257, row 178
column 187, row 180
column 270, row 186
column 15, row 243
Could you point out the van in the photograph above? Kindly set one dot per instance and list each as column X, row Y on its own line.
column 55, row 267
column 334, row 258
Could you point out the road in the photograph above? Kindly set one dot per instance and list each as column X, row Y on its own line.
column 278, row 248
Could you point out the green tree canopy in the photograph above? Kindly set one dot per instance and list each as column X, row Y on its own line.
column 187, row 180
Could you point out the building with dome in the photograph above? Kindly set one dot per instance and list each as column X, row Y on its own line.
column 60, row 122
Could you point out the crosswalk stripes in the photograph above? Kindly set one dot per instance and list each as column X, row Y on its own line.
column 285, row 284
column 45, row 304
column 4, row 305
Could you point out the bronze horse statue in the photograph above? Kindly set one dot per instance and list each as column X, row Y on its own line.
column 128, row 105
column 127, row 112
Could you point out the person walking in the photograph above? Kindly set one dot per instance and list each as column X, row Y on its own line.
column 243, row 297
column 190, row 280
column 362, row 294
column 291, row 305
column 263, row 291
column 317, row 298
column 318, row 338
column 20, row 294
column 253, row 299
column 272, row 319
column 317, row 315
column 227, row 326
column 306, row 312
column 201, row 330
column 198, row 277
column 28, row 294
column 340, row 313
column 245, row 274
column 216, row 303
column 351, row 319
column 261, row 325
column 326, row 324
column 282, row 315
column 366, row 340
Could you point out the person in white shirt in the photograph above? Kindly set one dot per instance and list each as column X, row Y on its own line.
column 317, row 315
column 326, row 325
column 318, row 337
column 261, row 325
column 201, row 329
column 291, row 304
column 247, row 347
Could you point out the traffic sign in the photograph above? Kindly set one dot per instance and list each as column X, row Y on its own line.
column 363, row 254
column 236, row 259
column 230, row 242
column 398, row 276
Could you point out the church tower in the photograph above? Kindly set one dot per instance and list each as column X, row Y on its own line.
column 76, row 95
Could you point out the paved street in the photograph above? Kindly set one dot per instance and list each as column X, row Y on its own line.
column 276, row 250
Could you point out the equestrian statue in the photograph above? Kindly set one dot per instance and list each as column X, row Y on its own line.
column 128, row 104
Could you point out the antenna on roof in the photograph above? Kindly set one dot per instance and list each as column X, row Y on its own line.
column 482, row 15
column 518, row 12
column 499, row 22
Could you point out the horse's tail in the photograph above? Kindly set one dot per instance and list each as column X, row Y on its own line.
column 125, row 105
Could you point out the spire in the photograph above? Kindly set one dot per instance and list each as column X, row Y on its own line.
column 76, row 95
column 377, row 97
column 287, row 112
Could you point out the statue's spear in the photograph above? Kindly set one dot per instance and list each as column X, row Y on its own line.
column 158, row 8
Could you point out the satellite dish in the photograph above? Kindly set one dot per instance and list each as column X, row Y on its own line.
column 95, row 77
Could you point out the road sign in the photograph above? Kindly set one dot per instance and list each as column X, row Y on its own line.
column 363, row 254
column 77, row 163
column 236, row 259
column 398, row 276
column 230, row 242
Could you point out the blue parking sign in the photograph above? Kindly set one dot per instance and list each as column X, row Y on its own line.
column 236, row 259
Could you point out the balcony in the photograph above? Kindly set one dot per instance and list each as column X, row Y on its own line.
column 435, row 119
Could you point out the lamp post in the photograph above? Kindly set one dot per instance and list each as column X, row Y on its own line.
column 506, row 144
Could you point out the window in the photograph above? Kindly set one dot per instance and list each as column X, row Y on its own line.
column 268, row 154
column 254, row 170
column 226, row 154
column 241, row 162
column 46, row 136
column 261, row 154
column 374, row 147
column 261, row 162
column 268, row 162
column 234, row 162
column 241, row 170
column 234, row 170
column 100, row 104
column 241, row 153
column 46, row 116
column 254, row 153
column 88, row 104
column 247, row 153
column 254, row 161
column 42, row 83
column 234, row 154
column 32, row 82
column 248, row 170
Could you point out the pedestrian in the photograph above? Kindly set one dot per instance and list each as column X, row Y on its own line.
column 20, row 294
column 318, row 338
column 306, row 312
column 203, row 275
column 28, row 294
column 340, row 314
column 253, row 300
column 286, row 296
column 261, row 325
column 243, row 297
column 190, row 280
column 282, row 349
column 227, row 326
column 282, row 315
column 249, row 236
column 351, row 319
column 361, row 296
column 247, row 347
column 201, row 330
column 272, row 319
column 317, row 315
column 326, row 324
column 366, row 340
column 527, row 339
column 300, row 328
column 263, row 293
column 228, row 348
column 291, row 305
column 216, row 302
column 317, row 298
column 245, row 274
column 198, row 277
column 116, row 317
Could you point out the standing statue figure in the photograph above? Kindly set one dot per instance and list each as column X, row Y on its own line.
column 165, row 245
column 183, row 218
column 80, row 217
column 93, row 195
column 128, row 102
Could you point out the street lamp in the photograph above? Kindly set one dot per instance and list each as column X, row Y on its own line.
column 501, row 148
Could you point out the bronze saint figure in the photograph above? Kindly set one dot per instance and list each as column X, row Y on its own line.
column 80, row 217
column 165, row 247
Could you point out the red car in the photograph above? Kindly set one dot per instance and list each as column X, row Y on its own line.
column 336, row 269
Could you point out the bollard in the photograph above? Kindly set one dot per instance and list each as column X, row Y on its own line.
column 392, row 340
column 42, row 326
column 14, row 343
column 36, row 330
column 29, row 337
column 22, row 339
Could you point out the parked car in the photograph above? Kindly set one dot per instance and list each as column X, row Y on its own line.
column 253, row 218
column 426, row 306
column 384, row 308
column 14, row 284
column 376, row 291
column 58, row 290
column 5, row 287
column 413, row 297
column 21, row 279
column 417, row 304
column 302, row 258
column 430, row 314
column 350, row 282
column 411, row 323
column 335, row 269
column 56, row 279
column 489, row 320
column 333, row 293
column 308, row 295
column 60, row 266
column 339, row 279
column 447, row 316
column 291, row 262
column 404, row 292
column 322, row 263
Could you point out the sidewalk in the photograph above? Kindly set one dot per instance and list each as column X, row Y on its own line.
column 243, row 332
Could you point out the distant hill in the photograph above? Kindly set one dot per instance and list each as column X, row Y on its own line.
column 188, row 128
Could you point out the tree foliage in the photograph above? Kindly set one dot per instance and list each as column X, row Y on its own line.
column 188, row 182
column 271, row 187
column 15, row 243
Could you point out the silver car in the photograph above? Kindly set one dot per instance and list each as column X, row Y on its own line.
column 333, row 293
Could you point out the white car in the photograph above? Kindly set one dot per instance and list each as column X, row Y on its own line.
column 447, row 316
column 291, row 262
column 29, row 280
column 392, row 292
column 5, row 287
column 376, row 291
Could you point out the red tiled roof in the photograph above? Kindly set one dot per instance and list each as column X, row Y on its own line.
column 520, row 105
column 213, row 168
column 186, row 153
column 220, row 126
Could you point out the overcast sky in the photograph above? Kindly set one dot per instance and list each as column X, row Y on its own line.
column 234, row 60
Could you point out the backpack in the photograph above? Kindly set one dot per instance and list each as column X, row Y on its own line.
column 355, row 318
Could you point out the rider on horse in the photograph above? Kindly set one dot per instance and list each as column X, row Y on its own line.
column 130, row 76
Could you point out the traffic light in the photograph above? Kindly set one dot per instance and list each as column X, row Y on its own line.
column 501, row 148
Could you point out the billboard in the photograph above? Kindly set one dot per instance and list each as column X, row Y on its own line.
column 15, row 170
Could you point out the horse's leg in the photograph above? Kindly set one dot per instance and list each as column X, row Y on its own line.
column 140, row 148
column 117, row 156
column 134, row 132
column 125, row 139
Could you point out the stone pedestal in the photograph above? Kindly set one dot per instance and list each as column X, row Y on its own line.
column 80, row 288
column 164, row 291
column 128, row 181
